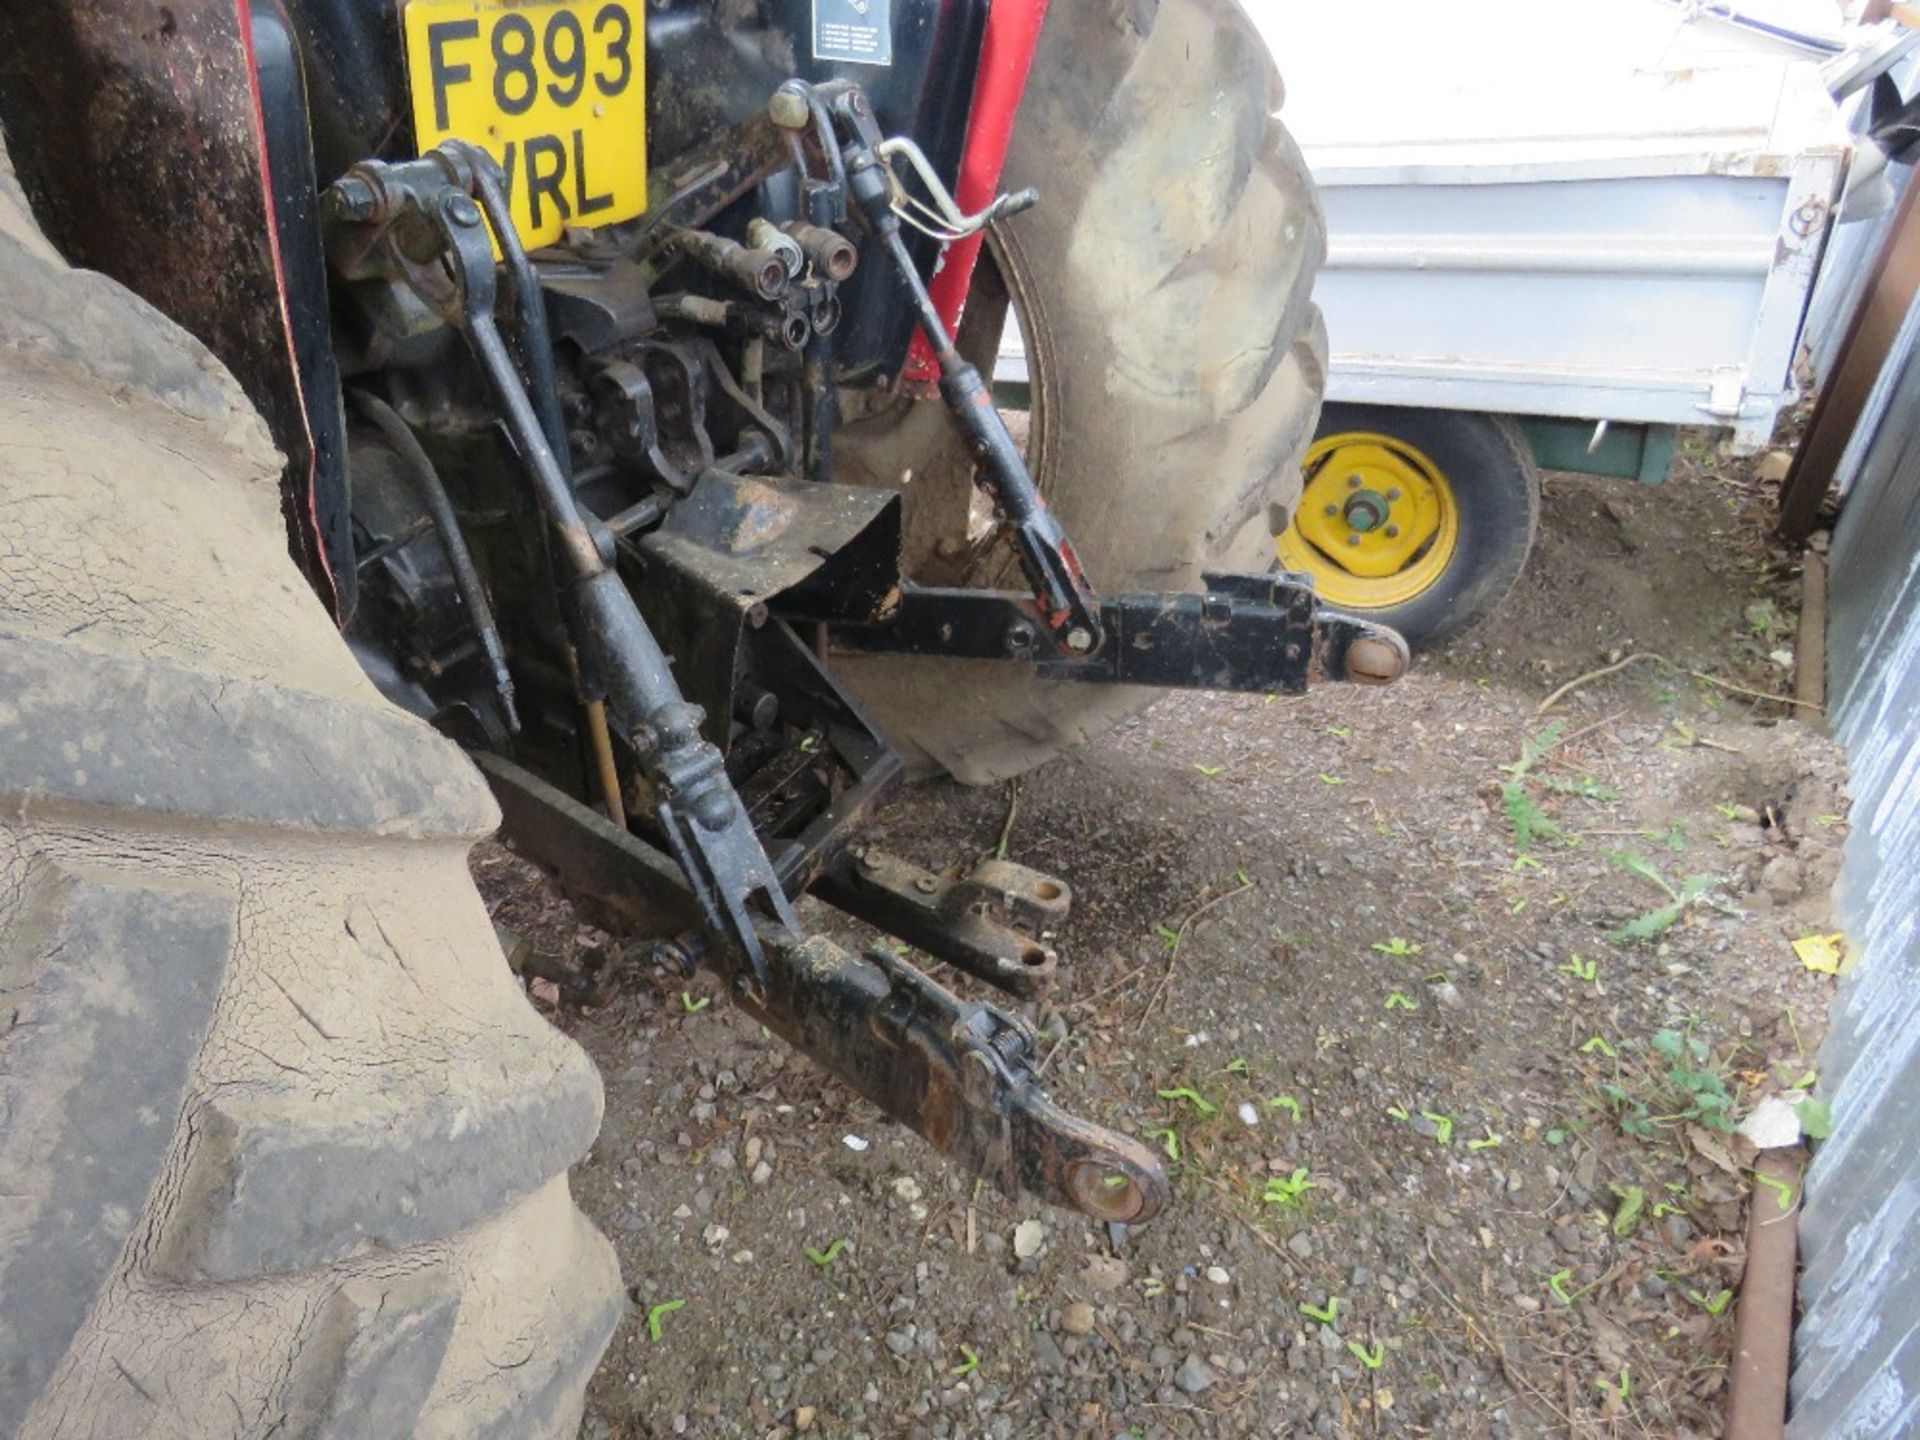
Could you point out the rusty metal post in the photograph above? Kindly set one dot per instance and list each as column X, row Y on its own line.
column 1871, row 333
column 1763, row 1329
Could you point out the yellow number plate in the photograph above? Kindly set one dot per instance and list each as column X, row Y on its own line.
column 555, row 90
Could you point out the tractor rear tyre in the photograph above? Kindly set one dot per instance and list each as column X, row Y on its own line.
column 284, row 1147
column 1162, row 288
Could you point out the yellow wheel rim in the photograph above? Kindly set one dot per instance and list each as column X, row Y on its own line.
column 1378, row 523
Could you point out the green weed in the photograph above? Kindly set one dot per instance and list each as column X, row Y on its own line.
column 1655, row 923
column 1373, row 1359
column 1199, row 1102
column 1587, row 970
column 659, row 1313
column 1324, row 1315
column 1285, row 1190
column 826, row 1257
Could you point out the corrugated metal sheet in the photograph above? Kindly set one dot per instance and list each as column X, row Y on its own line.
column 1857, row 1349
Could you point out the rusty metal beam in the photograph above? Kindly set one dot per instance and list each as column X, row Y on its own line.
column 961, row 1075
column 1871, row 333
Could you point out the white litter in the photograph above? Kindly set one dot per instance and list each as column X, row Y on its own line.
column 1773, row 1124
column 855, row 1143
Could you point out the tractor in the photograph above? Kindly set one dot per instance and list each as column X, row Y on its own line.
column 572, row 416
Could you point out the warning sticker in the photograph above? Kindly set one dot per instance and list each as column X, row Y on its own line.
column 860, row 31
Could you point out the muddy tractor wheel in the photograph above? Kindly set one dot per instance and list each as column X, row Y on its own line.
column 284, row 1147
column 1162, row 290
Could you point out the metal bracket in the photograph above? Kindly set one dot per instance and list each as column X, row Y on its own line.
column 992, row 924
column 1261, row 633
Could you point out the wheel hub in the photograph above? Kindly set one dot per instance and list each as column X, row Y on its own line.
column 1378, row 522
column 1365, row 510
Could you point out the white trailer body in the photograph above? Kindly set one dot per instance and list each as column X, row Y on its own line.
column 1600, row 212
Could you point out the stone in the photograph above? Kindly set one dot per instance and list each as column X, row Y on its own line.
column 1047, row 1354
column 1103, row 1274
column 900, row 1342
column 1029, row 1237
column 1783, row 879
column 803, row 1418
column 1193, row 1376
column 1077, row 1318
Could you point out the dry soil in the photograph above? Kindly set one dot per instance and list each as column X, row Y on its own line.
column 1446, row 1153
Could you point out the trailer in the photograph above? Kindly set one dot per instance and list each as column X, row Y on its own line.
column 1554, row 236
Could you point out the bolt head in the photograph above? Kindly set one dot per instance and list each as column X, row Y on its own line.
column 1393, row 532
column 1353, row 482
column 460, row 210
column 1353, row 539
column 1333, row 509
column 1079, row 639
column 788, row 109
column 351, row 198
column 1393, row 494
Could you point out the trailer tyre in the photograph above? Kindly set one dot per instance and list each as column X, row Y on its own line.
column 285, row 1148
column 1162, row 287
column 1419, row 519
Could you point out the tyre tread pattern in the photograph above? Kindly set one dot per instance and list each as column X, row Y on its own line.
column 285, row 1144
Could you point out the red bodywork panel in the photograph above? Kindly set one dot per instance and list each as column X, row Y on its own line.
column 1006, row 57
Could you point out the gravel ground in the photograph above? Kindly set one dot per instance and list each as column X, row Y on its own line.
column 1446, row 1141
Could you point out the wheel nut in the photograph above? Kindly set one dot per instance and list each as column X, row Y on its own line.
column 1353, row 482
column 1393, row 532
column 1333, row 509
column 1393, row 494
column 1353, row 539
